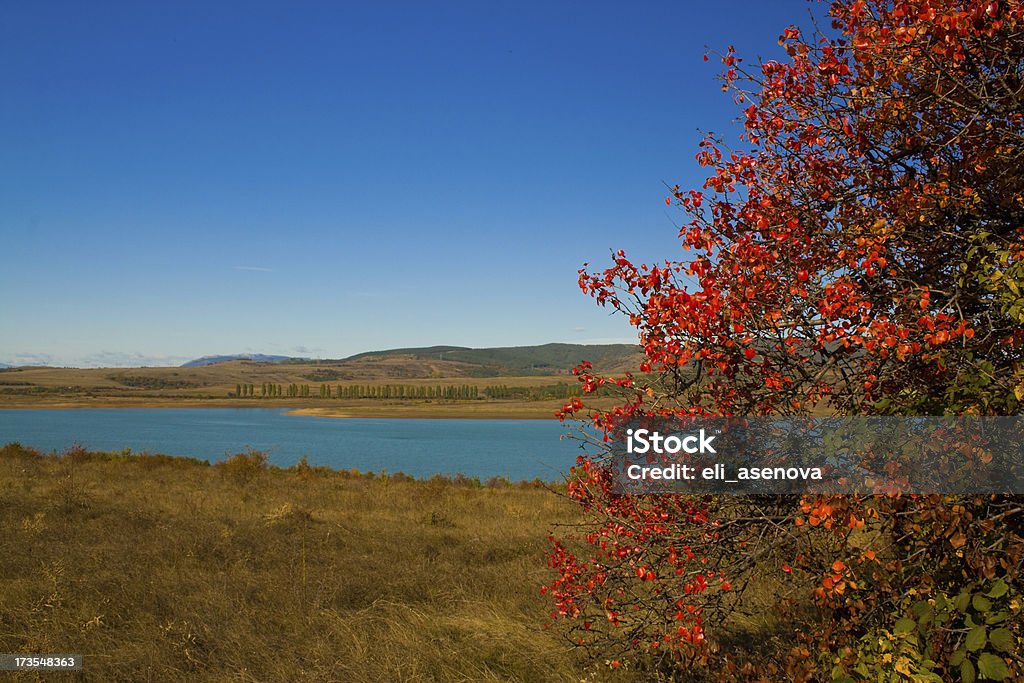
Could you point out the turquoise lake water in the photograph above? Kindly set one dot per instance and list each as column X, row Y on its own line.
column 517, row 449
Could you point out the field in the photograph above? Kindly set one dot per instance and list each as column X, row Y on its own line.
column 218, row 386
column 161, row 569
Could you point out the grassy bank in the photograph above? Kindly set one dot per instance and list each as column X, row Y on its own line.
column 491, row 410
column 420, row 409
column 168, row 569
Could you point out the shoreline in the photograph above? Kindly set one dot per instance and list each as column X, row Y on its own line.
column 455, row 411
column 334, row 413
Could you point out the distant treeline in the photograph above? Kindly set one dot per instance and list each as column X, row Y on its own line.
column 452, row 392
column 144, row 382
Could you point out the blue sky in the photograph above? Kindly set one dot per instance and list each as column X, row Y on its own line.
column 319, row 179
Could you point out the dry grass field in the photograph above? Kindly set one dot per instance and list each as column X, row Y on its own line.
column 215, row 386
column 169, row 569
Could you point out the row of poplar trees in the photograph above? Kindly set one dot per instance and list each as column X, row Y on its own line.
column 385, row 391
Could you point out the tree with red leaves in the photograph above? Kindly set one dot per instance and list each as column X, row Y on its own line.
column 862, row 254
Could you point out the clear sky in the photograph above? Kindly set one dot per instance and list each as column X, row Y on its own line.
column 322, row 178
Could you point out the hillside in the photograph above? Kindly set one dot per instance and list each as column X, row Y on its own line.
column 522, row 360
column 455, row 361
column 444, row 381
column 255, row 357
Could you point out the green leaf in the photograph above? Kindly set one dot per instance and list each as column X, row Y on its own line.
column 981, row 603
column 967, row 673
column 976, row 638
column 957, row 658
column 997, row 617
column 904, row 626
column 962, row 601
column 920, row 607
column 923, row 611
column 1002, row 640
column 998, row 590
column 862, row 669
column 992, row 667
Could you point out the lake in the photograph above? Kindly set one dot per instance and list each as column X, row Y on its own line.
column 517, row 449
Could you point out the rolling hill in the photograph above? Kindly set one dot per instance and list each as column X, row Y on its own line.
column 545, row 359
column 530, row 379
column 522, row 360
column 255, row 357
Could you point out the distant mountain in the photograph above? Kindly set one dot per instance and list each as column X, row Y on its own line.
column 5, row 365
column 255, row 357
column 545, row 359
column 533, row 360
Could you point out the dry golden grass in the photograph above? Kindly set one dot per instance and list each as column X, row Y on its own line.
column 213, row 386
column 483, row 409
column 166, row 569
